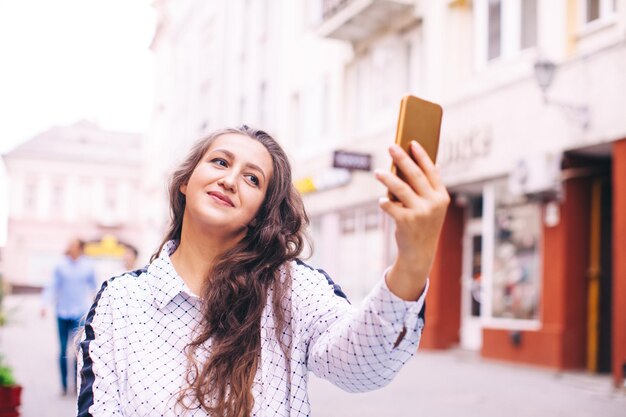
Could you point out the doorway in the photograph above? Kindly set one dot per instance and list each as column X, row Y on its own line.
column 471, row 283
column 602, row 304
column 595, row 164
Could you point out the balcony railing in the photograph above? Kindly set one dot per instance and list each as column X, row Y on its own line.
column 331, row 7
column 358, row 20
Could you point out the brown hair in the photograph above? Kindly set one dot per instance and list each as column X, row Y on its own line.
column 233, row 304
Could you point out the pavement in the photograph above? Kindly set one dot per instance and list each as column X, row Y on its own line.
column 433, row 384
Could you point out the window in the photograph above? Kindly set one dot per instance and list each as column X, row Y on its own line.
column 325, row 104
column 472, row 262
column 476, row 207
column 359, row 248
column 86, row 203
column 504, row 28
column 503, row 259
column 348, row 223
column 295, row 118
column 262, row 111
column 110, row 197
column 476, row 275
column 408, row 57
column 316, row 234
column 313, row 115
column 388, row 63
column 592, row 10
column 243, row 111
column 529, row 24
column 598, row 9
column 265, row 20
column 516, row 283
column 30, row 195
column 57, row 199
column 494, row 23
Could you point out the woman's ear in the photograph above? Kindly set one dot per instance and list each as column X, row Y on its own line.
column 183, row 189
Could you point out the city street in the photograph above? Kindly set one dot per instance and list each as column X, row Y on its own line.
column 453, row 383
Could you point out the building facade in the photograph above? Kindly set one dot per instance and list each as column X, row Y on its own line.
column 531, row 263
column 69, row 182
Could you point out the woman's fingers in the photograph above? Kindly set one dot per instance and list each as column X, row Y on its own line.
column 428, row 167
column 413, row 174
column 422, row 193
column 403, row 191
column 394, row 209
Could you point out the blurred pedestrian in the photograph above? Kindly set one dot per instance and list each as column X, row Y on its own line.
column 227, row 321
column 130, row 258
column 71, row 292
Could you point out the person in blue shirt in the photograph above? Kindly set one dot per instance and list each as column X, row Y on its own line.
column 71, row 292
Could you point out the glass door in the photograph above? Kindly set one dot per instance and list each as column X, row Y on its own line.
column 471, row 291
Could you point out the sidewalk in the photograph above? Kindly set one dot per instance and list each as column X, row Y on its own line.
column 460, row 384
column 433, row 384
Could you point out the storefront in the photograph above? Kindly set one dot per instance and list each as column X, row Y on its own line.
column 531, row 261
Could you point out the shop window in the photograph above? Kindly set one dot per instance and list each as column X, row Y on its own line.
column 475, row 287
column 516, row 274
column 476, row 207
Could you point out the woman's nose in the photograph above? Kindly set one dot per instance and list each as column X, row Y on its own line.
column 227, row 182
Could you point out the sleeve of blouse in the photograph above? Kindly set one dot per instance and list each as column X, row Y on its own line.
column 358, row 349
column 97, row 381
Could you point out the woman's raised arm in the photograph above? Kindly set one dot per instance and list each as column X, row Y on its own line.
column 419, row 214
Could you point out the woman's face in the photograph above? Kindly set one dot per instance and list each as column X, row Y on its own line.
column 228, row 186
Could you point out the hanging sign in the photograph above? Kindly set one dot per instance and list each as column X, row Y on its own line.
column 352, row 160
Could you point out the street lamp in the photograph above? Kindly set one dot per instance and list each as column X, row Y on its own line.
column 544, row 75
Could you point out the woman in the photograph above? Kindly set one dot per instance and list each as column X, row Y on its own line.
column 226, row 321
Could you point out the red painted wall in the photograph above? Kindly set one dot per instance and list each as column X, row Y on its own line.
column 619, row 260
column 443, row 304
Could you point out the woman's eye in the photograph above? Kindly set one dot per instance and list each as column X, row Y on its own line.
column 219, row 161
column 254, row 179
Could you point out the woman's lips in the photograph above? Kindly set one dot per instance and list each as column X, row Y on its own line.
column 221, row 198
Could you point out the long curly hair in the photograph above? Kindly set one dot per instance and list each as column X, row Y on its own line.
column 232, row 306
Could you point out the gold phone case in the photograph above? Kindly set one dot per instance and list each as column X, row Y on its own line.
column 419, row 120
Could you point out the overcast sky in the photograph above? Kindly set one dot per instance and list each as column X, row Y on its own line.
column 66, row 60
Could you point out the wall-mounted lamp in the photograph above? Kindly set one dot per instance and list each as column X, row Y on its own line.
column 544, row 74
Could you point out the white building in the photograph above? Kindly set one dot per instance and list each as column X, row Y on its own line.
column 535, row 174
column 75, row 181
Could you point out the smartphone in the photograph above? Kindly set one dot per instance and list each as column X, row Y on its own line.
column 419, row 120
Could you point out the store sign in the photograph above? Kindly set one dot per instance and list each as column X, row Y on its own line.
column 107, row 246
column 352, row 160
column 474, row 144
column 325, row 180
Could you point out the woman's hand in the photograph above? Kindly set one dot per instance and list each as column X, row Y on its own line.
column 419, row 214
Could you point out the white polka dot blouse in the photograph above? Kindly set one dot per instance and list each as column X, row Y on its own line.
column 131, row 354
